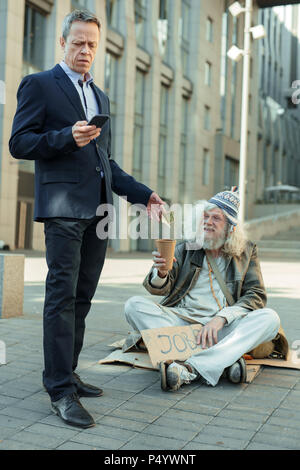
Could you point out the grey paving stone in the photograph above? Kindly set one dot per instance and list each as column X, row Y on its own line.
column 95, row 440
column 18, row 412
column 147, row 441
column 287, row 413
column 196, row 425
column 6, row 401
column 15, row 423
column 235, row 423
column 41, row 440
column 198, row 446
column 10, row 444
column 134, row 415
column 134, row 405
column 222, row 441
column 62, row 433
column 123, row 423
column 276, row 380
column 11, row 391
column 77, row 446
column 6, row 432
column 54, row 421
column 243, row 415
column 292, row 423
column 242, row 434
column 111, row 431
column 284, row 431
column 174, row 432
column 276, row 440
column 260, row 446
column 198, row 407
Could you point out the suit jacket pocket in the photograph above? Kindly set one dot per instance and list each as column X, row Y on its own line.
column 59, row 177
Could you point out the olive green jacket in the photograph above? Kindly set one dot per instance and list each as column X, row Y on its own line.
column 243, row 277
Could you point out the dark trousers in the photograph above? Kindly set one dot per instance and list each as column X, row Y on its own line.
column 75, row 257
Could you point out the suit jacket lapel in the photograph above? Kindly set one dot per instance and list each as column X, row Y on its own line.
column 69, row 90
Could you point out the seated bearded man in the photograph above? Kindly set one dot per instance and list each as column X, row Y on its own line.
column 193, row 295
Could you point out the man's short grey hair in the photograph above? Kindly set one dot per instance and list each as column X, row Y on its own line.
column 78, row 15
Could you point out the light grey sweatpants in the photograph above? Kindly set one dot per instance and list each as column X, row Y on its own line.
column 234, row 340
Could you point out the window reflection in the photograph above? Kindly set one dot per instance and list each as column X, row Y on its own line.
column 34, row 41
column 162, row 27
column 140, row 10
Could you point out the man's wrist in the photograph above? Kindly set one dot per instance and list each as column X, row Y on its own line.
column 162, row 275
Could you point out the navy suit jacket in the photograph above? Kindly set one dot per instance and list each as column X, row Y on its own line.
column 67, row 178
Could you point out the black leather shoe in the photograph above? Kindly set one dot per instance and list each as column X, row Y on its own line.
column 71, row 411
column 86, row 390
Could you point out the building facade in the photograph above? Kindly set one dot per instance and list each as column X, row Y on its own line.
column 175, row 99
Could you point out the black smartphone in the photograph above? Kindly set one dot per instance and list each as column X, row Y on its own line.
column 99, row 120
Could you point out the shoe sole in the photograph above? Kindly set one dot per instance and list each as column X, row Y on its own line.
column 85, row 395
column 163, row 376
column 57, row 413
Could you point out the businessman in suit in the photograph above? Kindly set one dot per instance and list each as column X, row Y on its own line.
column 74, row 174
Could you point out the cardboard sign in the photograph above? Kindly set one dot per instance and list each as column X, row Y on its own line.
column 174, row 342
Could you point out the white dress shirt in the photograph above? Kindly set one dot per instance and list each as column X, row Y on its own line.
column 87, row 79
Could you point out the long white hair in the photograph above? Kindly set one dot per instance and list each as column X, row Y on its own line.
column 236, row 237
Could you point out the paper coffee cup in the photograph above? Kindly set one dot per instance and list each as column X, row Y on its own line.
column 167, row 249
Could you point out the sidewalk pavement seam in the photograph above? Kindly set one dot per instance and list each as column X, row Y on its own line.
column 270, row 415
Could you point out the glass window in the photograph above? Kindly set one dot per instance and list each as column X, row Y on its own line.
column 183, row 150
column 208, row 73
column 207, row 118
column 138, row 125
column 209, row 30
column 162, row 27
column 110, row 85
column 206, row 167
column 224, row 66
column 111, row 12
column 79, row 4
column 140, row 11
column 34, row 41
column 163, row 133
column 184, row 28
column 231, row 172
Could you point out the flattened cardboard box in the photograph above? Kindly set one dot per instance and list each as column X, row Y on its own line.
column 179, row 343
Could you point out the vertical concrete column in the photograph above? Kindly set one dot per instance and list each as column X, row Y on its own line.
column 125, row 98
column 11, row 285
column 152, row 101
column 11, row 55
column 173, row 59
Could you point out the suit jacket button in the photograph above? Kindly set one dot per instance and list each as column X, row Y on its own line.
column 98, row 169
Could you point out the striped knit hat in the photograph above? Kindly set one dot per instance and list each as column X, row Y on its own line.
column 229, row 202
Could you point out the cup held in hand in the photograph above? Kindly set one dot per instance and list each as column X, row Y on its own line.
column 167, row 249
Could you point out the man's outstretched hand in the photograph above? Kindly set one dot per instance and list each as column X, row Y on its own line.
column 155, row 207
column 208, row 335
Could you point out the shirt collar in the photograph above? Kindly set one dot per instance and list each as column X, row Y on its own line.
column 75, row 76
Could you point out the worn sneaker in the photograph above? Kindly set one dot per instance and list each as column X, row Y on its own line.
column 174, row 375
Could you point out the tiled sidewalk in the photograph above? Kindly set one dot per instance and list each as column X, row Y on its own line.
column 134, row 413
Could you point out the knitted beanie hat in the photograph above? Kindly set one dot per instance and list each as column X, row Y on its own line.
column 229, row 202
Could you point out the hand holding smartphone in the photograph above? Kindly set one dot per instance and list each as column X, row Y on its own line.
column 99, row 120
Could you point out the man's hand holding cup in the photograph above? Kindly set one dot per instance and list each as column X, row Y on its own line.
column 160, row 264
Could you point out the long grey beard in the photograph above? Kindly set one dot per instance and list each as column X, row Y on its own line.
column 215, row 244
